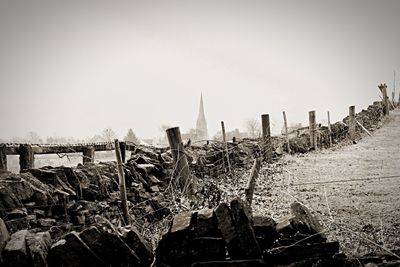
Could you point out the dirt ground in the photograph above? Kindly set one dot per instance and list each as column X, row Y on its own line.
column 357, row 213
column 364, row 215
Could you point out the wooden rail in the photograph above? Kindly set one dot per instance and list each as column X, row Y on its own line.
column 27, row 152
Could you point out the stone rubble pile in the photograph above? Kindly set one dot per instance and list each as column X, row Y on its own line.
column 230, row 236
column 100, row 245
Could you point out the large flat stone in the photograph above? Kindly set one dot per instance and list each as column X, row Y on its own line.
column 15, row 253
column 248, row 245
column 72, row 251
column 109, row 248
column 226, row 225
column 137, row 243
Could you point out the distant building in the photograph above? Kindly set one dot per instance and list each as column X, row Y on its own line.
column 201, row 124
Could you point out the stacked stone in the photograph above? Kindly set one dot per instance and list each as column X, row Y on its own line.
column 230, row 236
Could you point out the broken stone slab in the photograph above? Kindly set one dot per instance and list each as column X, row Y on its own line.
column 301, row 213
column 122, row 250
column 15, row 253
column 232, row 263
column 72, row 251
column 137, row 243
column 226, row 225
column 289, row 254
column 38, row 245
column 106, row 249
column 249, row 248
column 4, row 237
column 292, row 230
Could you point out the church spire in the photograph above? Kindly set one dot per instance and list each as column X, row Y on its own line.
column 201, row 124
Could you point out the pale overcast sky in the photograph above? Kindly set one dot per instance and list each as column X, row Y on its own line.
column 73, row 68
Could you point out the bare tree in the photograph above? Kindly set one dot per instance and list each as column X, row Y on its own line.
column 108, row 135
column 131, row 137
column 34, row 138
column 253, row 127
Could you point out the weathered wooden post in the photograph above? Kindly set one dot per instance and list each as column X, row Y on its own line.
column 266, row 134
column 249, row 191
column 88, row 154
column 182, row 167
column 313, row 129
column 26, row 157
column 122, row 147
column 223, row 132
column 226, row 147
column 329, row 129
column 122, row 187
column 286, row 132
column 3, row 158
column 352, row 123
column 385, row 102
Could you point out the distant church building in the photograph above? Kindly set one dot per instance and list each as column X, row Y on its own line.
column 201, row 124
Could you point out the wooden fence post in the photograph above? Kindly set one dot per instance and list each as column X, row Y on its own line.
column 266, row 134
column 122, row 187
column 122, row 147
column 352, row 123
column 385, row 102
column 223, row 132
column 286, row 132
column 252, row 180
column 88, row 154
column 3, row 158
column 329, row 129
column 312, row 129
column 226, row 148
column 26, row 157
column 182, row 167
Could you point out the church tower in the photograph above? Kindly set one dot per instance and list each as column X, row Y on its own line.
column 201, row 124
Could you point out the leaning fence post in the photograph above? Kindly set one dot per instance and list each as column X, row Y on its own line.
column 252, row 180
column 226, row 147
column 122, row 187
column 122, row 147
column 88, row 154
column 26, row 157
column 329, row 129
column 352, row 123
column 286, row 132
column 266, row 134
column 383, row 88
column 180, row 160
column 3, row 158
column 312, row 129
